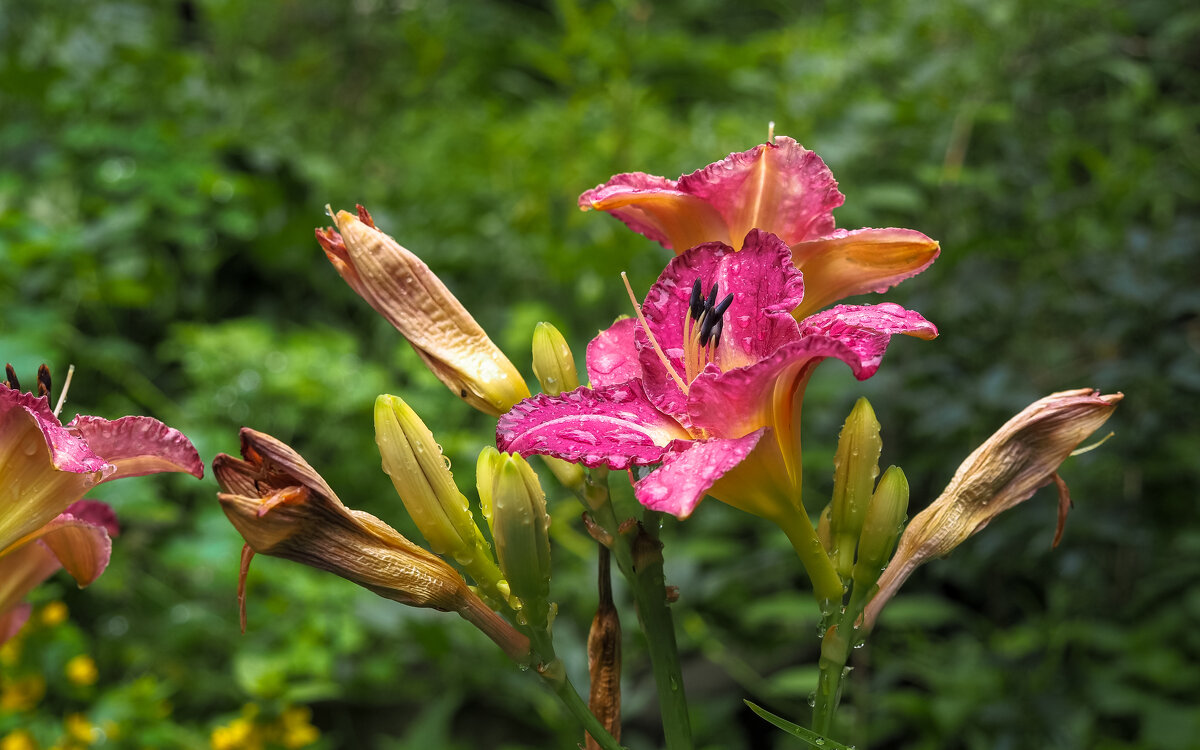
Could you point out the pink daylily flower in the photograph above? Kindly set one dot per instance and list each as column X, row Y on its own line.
column 46, row 468
column 702, row 409
column 779, row 187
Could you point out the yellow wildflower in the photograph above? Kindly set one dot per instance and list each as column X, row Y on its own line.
column 18, row 740
column 81, row 670
column 54, row 613
column 298, row 730
column 239, row 734
column 80, row 729
column 22, row 693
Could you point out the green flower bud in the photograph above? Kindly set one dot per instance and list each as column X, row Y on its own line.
column 521, row 529
column 855, row 467
column 881, row 526
column 552, row 361
column 422, row 478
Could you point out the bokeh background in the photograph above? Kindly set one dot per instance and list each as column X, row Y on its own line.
column 163, row 165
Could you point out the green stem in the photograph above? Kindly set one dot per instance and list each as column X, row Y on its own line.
column 827, row 585
column 552, row 671
column 639, row 557
column 835, row 652
column 650, row 595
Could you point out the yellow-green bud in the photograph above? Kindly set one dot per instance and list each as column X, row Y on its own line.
column 881, row 526
column 552, row 361
column 422, row 478
column 521, row 529
column 855, row 467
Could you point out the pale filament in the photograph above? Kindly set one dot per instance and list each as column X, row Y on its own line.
column 645, row 327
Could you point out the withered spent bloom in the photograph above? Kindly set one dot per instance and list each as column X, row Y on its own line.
column 283, row 508
column 1004, row 471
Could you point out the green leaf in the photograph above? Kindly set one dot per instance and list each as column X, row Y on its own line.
column 805, row 735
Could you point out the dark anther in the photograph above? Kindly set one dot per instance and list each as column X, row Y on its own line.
column 12, row 381
column 696, row 305
column 706, row 328
column 712, row 298
column 716, row 334
column 44, row 381
column 723, row 305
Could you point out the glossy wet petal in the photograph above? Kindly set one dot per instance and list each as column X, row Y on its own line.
column 614, row 426
column 864, row 260
column 612, row 357
column 779, row 187
column 137, row 446
column 656, row 208
column 866, row 329
column 68, row 452
column 686, row 475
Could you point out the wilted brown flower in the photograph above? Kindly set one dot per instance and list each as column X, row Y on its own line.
column 282, row 507
column 1007, row 469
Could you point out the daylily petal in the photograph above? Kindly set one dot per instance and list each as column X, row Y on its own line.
column 412, row 298
column 45, row 467
column 657, row 208
column 612, row 357
column 739, row 401
column 614, row 426
column 21, row 570
column 13, row 620
column 779, row 187
column 82, row 548
column 765, row 285
column 867, row 329
column 67, row 451
column 1012, row 464
column 137, row 446
column 844, row 263
column 685, row 476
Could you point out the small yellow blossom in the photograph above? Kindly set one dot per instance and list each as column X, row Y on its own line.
column 22, row 693
column 54, row 613
column 10, row 652
column 298, row 730
column 239, row 734
column 80, row 729
column 81, row 670
column 18, row 740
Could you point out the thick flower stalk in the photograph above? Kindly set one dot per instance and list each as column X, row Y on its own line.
column 1005, row 470
column 283, row 508
column 710, row 387
column 403, row 290
column 779, row 187
column 47, row 467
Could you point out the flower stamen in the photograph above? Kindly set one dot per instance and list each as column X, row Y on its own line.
column 702, row 326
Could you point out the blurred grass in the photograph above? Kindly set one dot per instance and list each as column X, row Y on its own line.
column 162, row 166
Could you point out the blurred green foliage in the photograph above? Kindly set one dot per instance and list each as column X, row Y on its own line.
column 162, row 166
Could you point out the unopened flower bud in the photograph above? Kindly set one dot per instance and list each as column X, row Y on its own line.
column 419, row 472
column 552, row 361
column 521, row 528
column 402, row 289
column 881, row 526
column 856, row 465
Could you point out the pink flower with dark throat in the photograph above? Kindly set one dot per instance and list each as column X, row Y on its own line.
column 710, row 387
column 779, row 187
column 45, row 470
